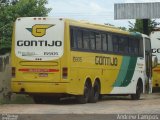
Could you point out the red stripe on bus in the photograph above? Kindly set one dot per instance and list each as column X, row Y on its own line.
column 157, row 70
column 38, row 70
column 23, row 70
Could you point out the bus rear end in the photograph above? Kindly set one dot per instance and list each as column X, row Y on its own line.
column 155, row 42
column 156, row 79
column 37, row 49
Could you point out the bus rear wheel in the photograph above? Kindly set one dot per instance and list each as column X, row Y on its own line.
column 139, row 89
column 85, row 97
column 95, row 93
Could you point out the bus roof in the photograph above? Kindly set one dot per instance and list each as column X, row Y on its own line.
column 90, row 25
column 102, row 27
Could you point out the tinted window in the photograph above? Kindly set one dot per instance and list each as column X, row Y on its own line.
column 141, row 47
column 123, row 45
column 73, row 37
column 92, row 41
column 86, row 40
column 136, row 46
column 98, row 41
column 131, row 46
column 79, row 39
column 115, row 43
column 104, row 42
column 147, row 44
column 110, row 45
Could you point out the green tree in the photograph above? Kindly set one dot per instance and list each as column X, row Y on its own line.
column 138, row 26
column 123, row 28
column 12, row 9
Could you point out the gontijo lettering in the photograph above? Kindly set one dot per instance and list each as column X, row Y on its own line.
column 102, row 60
column 56, row 43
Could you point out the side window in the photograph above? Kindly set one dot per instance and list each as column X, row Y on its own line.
column 123, row 45
column 104, row 42
column 141, row 47
column 148, row 44
column 98, row 41
column 131, row 46
column 86, row 40
column 110, row 45
column 92, row 41
column 115, row 43
column 79, row 39
column 136, row 46
column 73, row 35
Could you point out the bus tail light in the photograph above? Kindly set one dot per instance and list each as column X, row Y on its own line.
column 64, row 72
column 13, row 71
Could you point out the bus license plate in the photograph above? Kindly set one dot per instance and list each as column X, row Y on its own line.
column 43, row 74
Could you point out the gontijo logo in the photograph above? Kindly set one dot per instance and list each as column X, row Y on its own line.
column 39, row 30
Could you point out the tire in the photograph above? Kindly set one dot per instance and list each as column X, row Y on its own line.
column 95, row 93
column 100, row 97
column 85, row 97
column 139, row 89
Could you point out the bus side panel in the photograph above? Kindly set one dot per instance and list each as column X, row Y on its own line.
column 131, row 77
column 155, row 43
column 90, row 66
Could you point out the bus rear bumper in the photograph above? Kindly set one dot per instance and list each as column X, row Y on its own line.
column 156, row 89
column 39, row 87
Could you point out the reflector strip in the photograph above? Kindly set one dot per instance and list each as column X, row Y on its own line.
column 38, row 70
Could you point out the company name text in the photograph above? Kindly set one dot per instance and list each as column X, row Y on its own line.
column 39, row 43
column 102, row 60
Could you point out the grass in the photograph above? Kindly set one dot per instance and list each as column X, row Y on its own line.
column 17, row 99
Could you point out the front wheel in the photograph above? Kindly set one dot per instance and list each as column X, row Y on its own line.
column 139, row 89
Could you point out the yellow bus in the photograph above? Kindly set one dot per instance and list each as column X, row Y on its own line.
column 54, row 57
column 156, row 79
column 155, row 43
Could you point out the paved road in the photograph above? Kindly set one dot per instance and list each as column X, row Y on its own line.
column 149, row 104
column 147, row 108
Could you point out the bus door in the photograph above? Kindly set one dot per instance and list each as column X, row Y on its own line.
column 148, row 60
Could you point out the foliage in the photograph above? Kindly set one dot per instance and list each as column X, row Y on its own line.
column 138, row 26
column 17, row 99
column 12, row 9
column 122, row 28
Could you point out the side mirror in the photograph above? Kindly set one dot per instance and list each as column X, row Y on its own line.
column 154, row 61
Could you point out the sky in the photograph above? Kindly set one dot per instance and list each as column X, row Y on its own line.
column 96, row 11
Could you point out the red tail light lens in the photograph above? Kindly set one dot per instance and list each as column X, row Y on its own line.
column 65, row 72
column 13, row 71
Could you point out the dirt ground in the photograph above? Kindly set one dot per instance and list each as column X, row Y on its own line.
column 148, row 104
